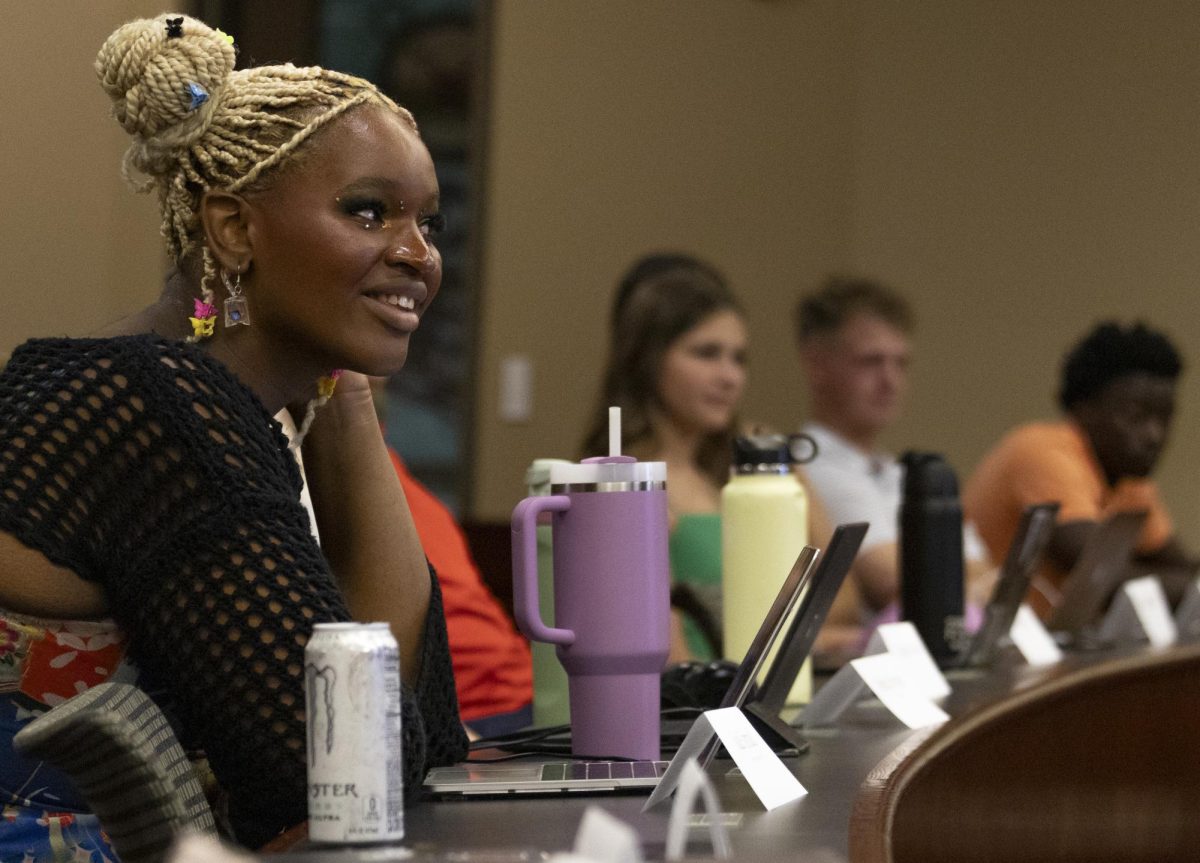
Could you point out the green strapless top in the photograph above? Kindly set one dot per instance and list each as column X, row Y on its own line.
column 695, row 549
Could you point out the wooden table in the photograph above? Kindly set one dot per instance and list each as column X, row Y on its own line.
column 813, row 828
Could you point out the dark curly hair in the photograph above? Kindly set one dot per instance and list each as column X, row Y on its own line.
column 1111, row 351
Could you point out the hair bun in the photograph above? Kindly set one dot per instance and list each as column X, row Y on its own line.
column 164, row 75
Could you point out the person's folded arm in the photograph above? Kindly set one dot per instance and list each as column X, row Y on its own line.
column 367, row 532
column 184, row 509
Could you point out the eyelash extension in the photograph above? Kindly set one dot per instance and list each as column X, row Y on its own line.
column 354, row 206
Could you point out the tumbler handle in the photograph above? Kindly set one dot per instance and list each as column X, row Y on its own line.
column 526, row 609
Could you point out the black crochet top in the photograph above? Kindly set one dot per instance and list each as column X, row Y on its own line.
column 144, row 465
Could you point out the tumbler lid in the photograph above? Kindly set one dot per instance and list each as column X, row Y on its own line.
column 608, row 469
column 613, row 472
column 537, row 475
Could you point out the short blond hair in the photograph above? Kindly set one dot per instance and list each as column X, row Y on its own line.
column 842, row 297
column 198, row 125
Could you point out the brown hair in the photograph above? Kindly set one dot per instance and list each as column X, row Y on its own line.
column 659, row 299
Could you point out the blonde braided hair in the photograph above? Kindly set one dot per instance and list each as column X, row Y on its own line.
column 198, row 125
column 251, row 120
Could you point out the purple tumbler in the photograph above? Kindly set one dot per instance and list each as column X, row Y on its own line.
column 611, row 597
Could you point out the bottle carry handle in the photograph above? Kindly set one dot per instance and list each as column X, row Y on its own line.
column 803, row 447
column 526, row 609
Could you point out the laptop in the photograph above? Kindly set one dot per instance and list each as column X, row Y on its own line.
column 1033, row 533
column 1098, row 573
column 764, row 707
column 484, row 778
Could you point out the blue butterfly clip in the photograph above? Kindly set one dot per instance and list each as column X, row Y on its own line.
column 197, row 94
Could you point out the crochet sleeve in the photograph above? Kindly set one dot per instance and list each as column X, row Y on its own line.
column 164, row 480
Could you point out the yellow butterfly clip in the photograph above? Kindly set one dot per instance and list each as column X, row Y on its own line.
column 203, row 326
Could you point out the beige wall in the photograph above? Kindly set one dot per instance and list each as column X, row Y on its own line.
column 1025, row 169
column 77, row 247
column 1020, row 168
column 625, row 127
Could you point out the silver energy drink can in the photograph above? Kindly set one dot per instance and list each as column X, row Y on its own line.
column 352, row 698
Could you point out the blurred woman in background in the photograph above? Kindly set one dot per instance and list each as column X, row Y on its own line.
column 677, row 370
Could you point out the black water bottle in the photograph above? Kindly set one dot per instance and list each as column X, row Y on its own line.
column 931, row 553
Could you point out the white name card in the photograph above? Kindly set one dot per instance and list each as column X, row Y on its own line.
column 1138, row 611
column 889, row 678
column 696, row 788
column 1032, row 639
column 904, row 642
column 834, row 698
column 604, row 838
column 771, row 781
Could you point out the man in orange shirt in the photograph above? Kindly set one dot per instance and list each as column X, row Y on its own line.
column 1118, row 394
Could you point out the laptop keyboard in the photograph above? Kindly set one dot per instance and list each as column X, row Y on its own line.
column 562, row 770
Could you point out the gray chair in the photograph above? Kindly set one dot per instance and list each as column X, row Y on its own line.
column 120, row 751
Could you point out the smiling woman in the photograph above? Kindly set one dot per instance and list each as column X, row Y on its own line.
column 145, row 481
column 677, row 370
column 342, row 247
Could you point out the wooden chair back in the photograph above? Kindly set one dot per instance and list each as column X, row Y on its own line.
column 1100, row 764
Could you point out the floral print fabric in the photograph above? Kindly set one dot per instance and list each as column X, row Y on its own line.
column 42, row 664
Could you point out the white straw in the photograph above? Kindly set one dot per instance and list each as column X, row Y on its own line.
column 614, row 431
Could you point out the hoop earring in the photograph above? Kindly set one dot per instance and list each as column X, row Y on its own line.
column 236, row 309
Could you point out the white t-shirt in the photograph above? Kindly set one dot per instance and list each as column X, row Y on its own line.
column 855, row 486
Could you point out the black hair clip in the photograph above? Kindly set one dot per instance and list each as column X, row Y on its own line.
column 174, row 28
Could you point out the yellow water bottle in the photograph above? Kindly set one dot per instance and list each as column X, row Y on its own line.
column 764, row 525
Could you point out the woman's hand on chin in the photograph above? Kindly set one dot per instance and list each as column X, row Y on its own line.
column 354, row 390
column 356, row 403
column 353, row 401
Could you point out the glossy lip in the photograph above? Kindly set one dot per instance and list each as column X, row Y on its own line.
column 404, row 320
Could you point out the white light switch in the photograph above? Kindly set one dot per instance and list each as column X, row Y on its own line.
column 516, row 388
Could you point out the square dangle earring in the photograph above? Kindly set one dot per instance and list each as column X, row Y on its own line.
column 236, row 309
